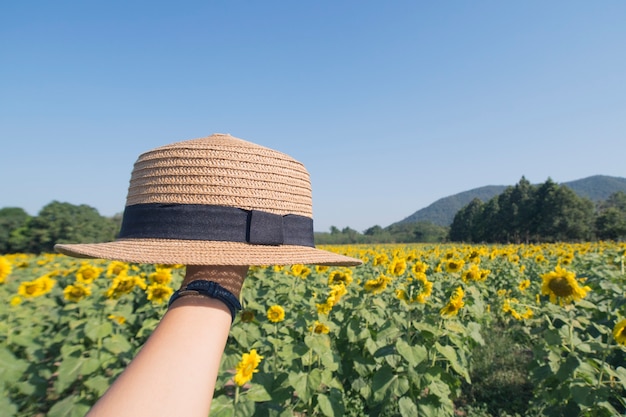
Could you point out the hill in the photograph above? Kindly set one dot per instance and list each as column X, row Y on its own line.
column 442, row 211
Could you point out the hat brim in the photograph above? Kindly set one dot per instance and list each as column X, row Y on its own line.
column 200, row 252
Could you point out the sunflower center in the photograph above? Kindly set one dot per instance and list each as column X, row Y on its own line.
column 561, row 287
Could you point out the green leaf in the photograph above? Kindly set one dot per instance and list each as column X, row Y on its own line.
column 325, row 406
column 257, row 393
column 68, row 407
column 381, row 382
column 439, row 389
column 11, row 368
column 621, row 375
column 319, row 343
column 407, row 407
column 454, row 326
column 117, row 344
column 355, row 332
column 221, row 406
column 581, row 394
column 413, row 354
column 305, row 384
column 244, row 408
column 8, row 408
column 98, row 384
column 68, row 372
column 475, row 334
column 99, row 330
column 90, row 365
column 552, row 337
column 567, row 369
column 449, row 353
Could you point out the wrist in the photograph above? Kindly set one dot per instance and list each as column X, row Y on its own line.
column 211, row 290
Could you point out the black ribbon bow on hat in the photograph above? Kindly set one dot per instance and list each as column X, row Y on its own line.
column 218, row 223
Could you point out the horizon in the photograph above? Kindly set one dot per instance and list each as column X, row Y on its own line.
column 390, row 106
column 397, row 221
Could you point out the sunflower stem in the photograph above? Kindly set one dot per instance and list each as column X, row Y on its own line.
column 275, row 351
column 236, row 400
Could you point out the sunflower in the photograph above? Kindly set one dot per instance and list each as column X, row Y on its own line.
column 419, row 267
column 336, row 292
column 421, row 294
column 116, row 267
column 5, row 269
column 124, row 284
column 471, row 274
column 523, row 285
column 562, row 285
column 454, row 265
column 276, row 314
column 508, row 308
column 299, row 270
column 377, row 285
column 247, row 366
column 380, row 259
column 159, row 293
column 321, row 268
column 319, row 328
column 37, row 287
column 397, row 267
column 87, row 273
column 76, row 292
column 455, row 303
column 161, row 276
column 340, row 276
column 324, row 308
column 619, row 332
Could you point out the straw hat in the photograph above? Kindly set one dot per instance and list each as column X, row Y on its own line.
column 216, row 200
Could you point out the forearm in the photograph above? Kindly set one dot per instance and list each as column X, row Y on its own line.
column 174, row 374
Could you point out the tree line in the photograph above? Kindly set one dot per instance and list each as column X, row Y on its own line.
column 527, row 213
column 547, row 212
column 55, row 223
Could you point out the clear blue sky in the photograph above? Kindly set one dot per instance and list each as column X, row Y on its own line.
column 390, row 105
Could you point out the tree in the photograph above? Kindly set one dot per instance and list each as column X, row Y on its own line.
column 67, row 223
column 522, row 201
column 428, row 232
column 487, row 227
column 562, row 215
column 374, row 230
column 610, row 220
column 11, row 219
column 463, row 227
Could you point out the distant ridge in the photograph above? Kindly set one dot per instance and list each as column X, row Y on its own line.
column 442, row 211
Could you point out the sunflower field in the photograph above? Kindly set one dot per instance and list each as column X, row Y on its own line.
column 417, row 330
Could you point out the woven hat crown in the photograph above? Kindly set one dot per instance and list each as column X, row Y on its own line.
column 221, row 170
column 216, row 200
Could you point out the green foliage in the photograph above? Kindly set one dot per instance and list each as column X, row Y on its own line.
column 595, row 188
column 383, row 353
column 499, row 374
column 11, row 219
column 611, row 218
column 545, row 213
column 55, row 223
column 424, row 232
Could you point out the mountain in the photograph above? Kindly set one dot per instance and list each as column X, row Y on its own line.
column 442, row 211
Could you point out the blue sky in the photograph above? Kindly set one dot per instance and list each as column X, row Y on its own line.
column 390, row 105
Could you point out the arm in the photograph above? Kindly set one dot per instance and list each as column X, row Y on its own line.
column 175, row 372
